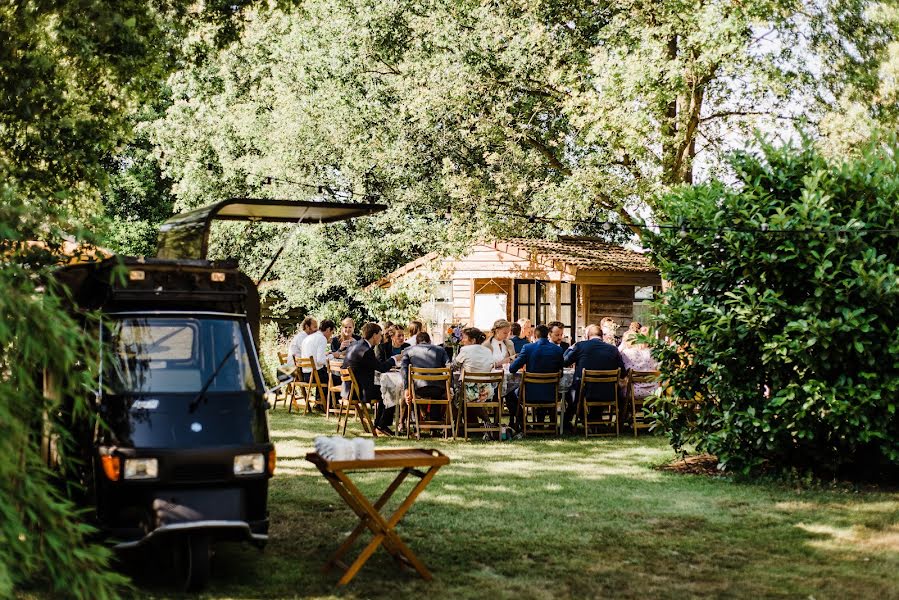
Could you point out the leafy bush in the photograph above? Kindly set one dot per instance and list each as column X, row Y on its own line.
column 45, row 543
column 782, row 312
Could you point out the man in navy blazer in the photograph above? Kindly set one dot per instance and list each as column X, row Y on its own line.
column 360, row 357
column 593, row 354
column 541, row 356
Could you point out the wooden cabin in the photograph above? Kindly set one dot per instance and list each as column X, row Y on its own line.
column 576, row 280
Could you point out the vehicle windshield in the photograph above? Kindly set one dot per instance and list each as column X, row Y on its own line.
column 178, row 355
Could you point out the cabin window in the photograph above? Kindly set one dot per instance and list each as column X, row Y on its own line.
column 544, row 301
column 526, row 293
column 568, row 308
column 438, row 312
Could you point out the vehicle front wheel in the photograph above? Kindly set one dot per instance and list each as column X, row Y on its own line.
column 193, row 562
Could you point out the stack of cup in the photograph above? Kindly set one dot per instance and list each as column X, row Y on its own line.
column 338, row 448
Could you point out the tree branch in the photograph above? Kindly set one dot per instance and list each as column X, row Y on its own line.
column 548, row 154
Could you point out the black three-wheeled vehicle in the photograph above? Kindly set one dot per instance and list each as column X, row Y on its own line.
column 185, row 456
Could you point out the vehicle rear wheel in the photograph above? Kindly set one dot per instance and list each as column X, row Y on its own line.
column 193, row 562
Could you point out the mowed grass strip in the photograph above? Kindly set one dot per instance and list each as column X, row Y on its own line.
column 569, row 519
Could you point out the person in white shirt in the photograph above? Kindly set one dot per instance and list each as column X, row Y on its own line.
column 316, row 346
column 500, row 344
column 295, row 348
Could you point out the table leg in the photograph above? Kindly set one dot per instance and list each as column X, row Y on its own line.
column 363, row 515
column 383, row 530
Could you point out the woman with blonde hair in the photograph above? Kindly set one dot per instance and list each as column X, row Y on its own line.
column 499, row 343
column 415, row 327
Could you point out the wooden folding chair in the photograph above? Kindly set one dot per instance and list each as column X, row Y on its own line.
column 286, row 395
column 332, row 406
column 539, row 426
column 448, row 424
column 306, row 387
column 495, row 402
column 603, row 397
column 639, row 415
column 353, row 401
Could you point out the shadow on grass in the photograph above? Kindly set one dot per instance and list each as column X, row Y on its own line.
column 569, row 519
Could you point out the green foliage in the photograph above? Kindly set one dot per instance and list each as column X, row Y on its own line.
column 44, row 544
column 789, row 339
column 71, row 73
column 138, row 198
column 463, row 116
column 564, row 109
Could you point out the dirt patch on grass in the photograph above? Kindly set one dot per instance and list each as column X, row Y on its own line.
column 699, row 464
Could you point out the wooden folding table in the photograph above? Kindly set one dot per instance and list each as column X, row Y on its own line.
column 407, row 462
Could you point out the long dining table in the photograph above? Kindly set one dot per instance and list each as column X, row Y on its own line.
column 391, row 384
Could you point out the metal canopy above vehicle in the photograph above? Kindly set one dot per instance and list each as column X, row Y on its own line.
column 186, row 235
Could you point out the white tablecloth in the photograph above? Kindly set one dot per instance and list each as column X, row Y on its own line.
column 392, row 384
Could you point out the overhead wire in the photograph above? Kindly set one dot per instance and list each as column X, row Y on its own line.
column 763, row 228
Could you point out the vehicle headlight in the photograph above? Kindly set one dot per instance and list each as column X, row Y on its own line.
column 141, row 468
column 249, row 464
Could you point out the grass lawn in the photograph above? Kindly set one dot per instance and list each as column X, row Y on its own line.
column 570, row 519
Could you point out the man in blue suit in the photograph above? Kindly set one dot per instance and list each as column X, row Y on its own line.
column 593, row 354
column 541, row 356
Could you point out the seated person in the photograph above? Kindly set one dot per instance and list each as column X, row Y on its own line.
column 499, row 344
column 473, row 357
column 315, row 346
column 593, row 354
column 360, row 358
column 557, row 334
column 541, row 356
column 424, row 354
column 346, row 337
column 295, row 348
column 415, row 327
column 394, row 343
column 637, row 357
column 518, row 342
column 609, row 329
column 523, row 334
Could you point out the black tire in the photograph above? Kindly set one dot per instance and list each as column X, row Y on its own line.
column 193, row 570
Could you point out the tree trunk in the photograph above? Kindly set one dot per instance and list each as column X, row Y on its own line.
column 669, row 126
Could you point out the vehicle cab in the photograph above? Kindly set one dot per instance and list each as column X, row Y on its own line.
column 183, row 457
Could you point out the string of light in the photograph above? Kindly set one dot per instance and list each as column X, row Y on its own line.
column 684, row 228
column 763, row 228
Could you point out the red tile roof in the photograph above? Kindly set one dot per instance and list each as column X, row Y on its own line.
column 586, row 253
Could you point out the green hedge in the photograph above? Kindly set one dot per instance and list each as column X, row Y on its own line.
column 781, row 318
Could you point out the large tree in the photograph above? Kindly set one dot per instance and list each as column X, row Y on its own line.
column 558, row 109
column 505, row 118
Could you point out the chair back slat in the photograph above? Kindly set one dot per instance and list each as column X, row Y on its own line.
column 473, row 377
column 541, row 378
column 430, row 374
column 644, row 376
column 595, row 376
column 304, row 363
